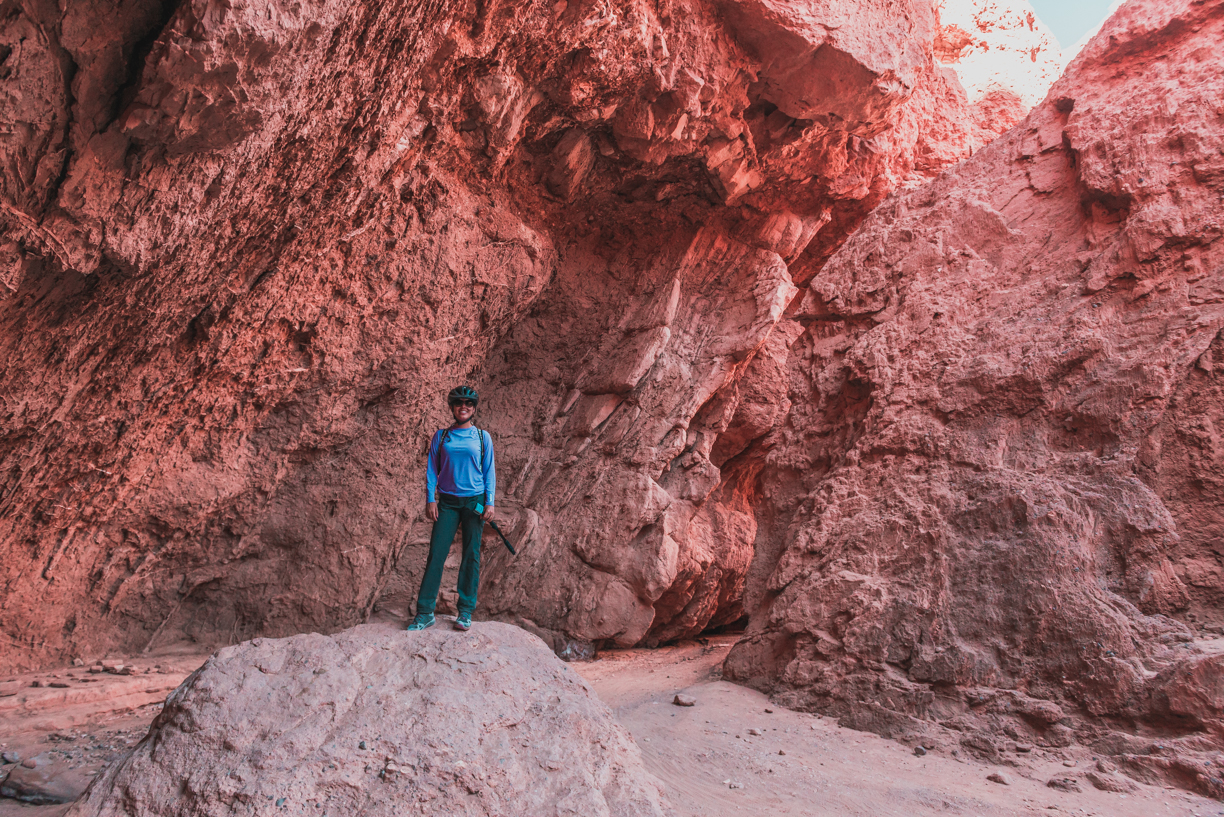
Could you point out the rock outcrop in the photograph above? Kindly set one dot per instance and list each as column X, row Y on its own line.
column 247, row 247
column 994, row 500
column 44, row 780
column 378, row 722
column 1003, row 55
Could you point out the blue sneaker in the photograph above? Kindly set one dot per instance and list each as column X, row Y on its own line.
column 422, row 621
column 464, row 621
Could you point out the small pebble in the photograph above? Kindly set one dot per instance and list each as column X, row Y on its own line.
column 11, row 757
column 919, row 751
column 684, row 700
column 754, row 732
column 781, row 752
column 361, row 745
column 768, row 711
column 998, row 777
column 1069, row 763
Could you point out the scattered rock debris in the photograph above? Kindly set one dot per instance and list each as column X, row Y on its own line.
column 1067, row 784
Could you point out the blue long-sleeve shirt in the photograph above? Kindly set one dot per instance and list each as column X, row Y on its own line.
column 458, row 470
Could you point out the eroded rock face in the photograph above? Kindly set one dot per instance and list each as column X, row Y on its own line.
column 383, row 723
column 992, row 496
column 1004, row 56
column 248, row 247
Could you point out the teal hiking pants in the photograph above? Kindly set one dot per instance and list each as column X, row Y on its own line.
column 453, row 511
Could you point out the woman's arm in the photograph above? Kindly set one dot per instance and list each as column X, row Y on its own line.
column 431, row 478
column 489, row 468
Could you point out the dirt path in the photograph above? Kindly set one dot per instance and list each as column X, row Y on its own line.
column 710, row 762
column 713, row 766
column 82, row 719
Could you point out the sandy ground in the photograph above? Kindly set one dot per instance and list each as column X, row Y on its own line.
column 711, row 765
column 84, row 719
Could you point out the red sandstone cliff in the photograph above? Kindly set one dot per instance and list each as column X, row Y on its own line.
column 995, row 501
column 962, row 469
column 247, row 248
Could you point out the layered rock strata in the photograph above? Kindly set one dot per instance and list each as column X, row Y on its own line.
column 369, row 721
column 993, row 504
column 247, row 247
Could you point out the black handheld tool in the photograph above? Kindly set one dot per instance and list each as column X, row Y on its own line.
column 509, row 546
column 480, row 510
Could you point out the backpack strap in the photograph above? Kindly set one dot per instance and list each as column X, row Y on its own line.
column 438, row 453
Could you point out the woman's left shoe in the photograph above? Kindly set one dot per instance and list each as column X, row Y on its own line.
column 422, row 621
column 464, row 621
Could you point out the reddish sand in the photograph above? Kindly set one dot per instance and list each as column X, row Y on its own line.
column 827, row 770
column 698, row 752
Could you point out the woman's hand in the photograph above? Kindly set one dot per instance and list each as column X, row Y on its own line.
column 431, row 510
column 488, row 513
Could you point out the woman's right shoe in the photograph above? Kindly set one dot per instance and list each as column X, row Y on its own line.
column 422, row 621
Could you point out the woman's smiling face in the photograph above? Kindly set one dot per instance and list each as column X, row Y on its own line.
column 463, row 411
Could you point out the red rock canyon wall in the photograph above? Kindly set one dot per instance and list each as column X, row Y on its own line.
column 995, row 502
column 960, row 473
column 248, row 246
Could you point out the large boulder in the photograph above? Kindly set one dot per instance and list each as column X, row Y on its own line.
column 382, row 723
column 994, row 503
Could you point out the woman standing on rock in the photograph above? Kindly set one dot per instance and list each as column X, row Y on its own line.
column 460, row 479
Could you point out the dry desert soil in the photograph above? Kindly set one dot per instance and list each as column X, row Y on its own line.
column 732, row 753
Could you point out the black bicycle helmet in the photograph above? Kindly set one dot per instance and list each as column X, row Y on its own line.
column 462, row 393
